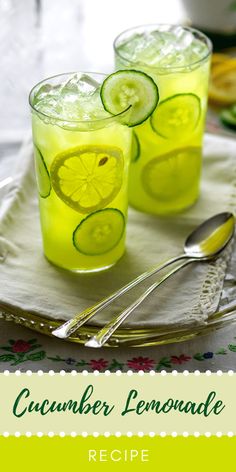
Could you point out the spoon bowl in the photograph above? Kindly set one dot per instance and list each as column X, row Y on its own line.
column 204, row 243
column 211, row 237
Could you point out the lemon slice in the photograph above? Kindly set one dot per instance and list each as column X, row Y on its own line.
column 87, row 178
column 168, row 176
column 222, row 88
column 218, row 58
column 222, row 68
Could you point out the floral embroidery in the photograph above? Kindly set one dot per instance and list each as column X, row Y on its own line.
column 115, row 365
column 141, row 363
column 99, row 364
column 70, row 361
column 21, row 346
column 232, row 347
column 180, row 359
column 221, row 351
column 19, row 351
column 208, row 355
column 198, row 356
column 165, row 363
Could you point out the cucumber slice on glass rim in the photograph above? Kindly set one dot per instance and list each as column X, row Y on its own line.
column 99, row 232
column 130, row 88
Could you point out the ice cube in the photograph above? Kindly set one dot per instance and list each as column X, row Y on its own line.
column 90, row 81
column 79, row 84
column 46, row 91
column 185, row 40
column 77, row 99
column 49, row 106
column 74, row 94
column 130, row 47
column 164, row 47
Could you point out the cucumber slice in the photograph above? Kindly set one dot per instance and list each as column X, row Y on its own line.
column 99, row 232
column 177, row 116
column 130, row 88
column 228, row 118
column 135, row 148
column 42, row 174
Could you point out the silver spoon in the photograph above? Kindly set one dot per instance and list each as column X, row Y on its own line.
column 205, row 242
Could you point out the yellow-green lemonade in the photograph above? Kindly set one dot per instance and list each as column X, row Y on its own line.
column 82, row 155
column 167, row 147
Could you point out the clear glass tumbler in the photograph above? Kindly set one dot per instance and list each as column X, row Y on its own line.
column 165, row 173
column 82, row 156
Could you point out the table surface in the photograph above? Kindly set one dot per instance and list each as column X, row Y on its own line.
column 77, row 35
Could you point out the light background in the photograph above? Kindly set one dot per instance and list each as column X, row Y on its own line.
column 40, row 38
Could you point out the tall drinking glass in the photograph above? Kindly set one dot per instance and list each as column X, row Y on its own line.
column 165, row 172
column 82, row 157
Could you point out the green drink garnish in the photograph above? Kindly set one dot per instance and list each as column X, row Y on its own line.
column 177, row 116
column 42, row 174
column 87, row 178
column 99, row 232
column 130, row 88
column 165, row 177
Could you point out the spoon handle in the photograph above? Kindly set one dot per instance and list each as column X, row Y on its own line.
column 70, row 326
column 106, row 332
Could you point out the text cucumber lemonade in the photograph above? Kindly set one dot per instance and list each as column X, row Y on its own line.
column 166, row 167
column 82, row 156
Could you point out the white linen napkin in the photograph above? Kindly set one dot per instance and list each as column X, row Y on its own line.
column 28, row 281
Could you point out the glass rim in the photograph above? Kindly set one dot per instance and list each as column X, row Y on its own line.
column 107, row 119
column 158, row 25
